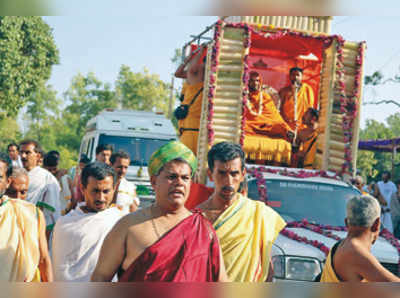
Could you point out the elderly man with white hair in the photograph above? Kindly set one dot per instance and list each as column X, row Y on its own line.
column 351, row 259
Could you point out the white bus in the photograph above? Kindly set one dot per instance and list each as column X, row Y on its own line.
column 139, row 133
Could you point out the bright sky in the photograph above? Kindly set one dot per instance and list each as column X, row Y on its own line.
column 103, row 43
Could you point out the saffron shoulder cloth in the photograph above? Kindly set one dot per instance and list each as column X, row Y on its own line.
column 188, row 252
column 329, row 273
column 19, row 241
column 246, row 231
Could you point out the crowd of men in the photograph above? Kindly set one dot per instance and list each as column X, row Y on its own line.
column 104, row 235
column 388, row 195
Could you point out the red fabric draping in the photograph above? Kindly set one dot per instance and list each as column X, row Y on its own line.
column 198, row 194
column 189, row 252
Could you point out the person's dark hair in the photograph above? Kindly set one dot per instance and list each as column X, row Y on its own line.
column 50, row 160
column 6, row 159
column 120, row 154
column 12, row 145
column 54, row 152
column 314, row 113
column 387, row 173
column 99, row 171
column 84, row 159
column 225, row 152
column 38, row 148
column 243, row 186
column 293, row 69
column 253, row 73
column 104, row 147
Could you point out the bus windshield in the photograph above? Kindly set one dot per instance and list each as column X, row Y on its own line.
column 139, row 149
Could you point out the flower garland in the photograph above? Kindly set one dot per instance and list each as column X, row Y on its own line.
column 348, row 106
column 260, row 181
column 325, row 230
column 213, row 79
column 261, row 186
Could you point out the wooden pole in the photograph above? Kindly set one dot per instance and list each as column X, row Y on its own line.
column 171, row 97
column 393, row 157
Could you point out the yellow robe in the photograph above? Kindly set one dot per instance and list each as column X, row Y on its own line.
column 328, row 273
column 192, row 121
column 265, row 134
column 305, row 100
column 19, row 241
column 269, row 121
column 246, row 231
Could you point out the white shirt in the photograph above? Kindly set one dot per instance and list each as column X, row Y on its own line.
column 77, row 241
column 126, row 195
column 387, row 190
column 17, row 163
column 44, row 191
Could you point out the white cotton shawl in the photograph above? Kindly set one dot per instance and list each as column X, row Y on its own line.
column 77, row 241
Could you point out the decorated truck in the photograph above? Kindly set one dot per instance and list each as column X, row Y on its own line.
column 312, row 201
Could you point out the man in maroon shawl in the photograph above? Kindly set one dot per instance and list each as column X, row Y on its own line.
column 164, row 242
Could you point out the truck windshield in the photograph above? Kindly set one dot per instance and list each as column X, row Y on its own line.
column 139, row 149
column 317, row 202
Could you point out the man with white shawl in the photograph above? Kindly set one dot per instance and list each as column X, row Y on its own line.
column 44, row 189
column 78, row 236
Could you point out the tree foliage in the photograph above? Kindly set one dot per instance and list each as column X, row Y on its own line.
column 27, row 54
column 142, row 90
column 372, row 164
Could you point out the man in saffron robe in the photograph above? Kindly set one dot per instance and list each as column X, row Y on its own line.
column 306, row 140
column 262, row 116
column 164, row 242
column 192, row 69
column 245, row 228
column 24, row 254
column 351, row 259
column 297, row 93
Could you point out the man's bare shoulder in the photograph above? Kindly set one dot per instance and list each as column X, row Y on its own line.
column 136, row 219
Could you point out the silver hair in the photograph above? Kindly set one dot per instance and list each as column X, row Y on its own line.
column 17, row 172
column 362, row 211
column 360, row 178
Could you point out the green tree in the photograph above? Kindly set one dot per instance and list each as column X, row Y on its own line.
column 87, row 96
column 43, row 108
column 27, row 54
column 142, row 90
column 371, row 164
column 9, row 132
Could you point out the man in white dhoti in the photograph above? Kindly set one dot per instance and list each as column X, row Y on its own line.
column 44, row 190
column 78, row 236
column 125, row 191
column 384, row 191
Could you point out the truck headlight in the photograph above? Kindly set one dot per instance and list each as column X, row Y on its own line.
column 296, row 268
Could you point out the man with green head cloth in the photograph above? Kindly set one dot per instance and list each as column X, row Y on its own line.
column 164, row 242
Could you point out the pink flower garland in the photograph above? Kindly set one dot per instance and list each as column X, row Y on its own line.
column 213, row 80
column 325, row 231
column 347, row 106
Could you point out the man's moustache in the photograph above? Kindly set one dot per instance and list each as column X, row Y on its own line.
column 227, row 188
